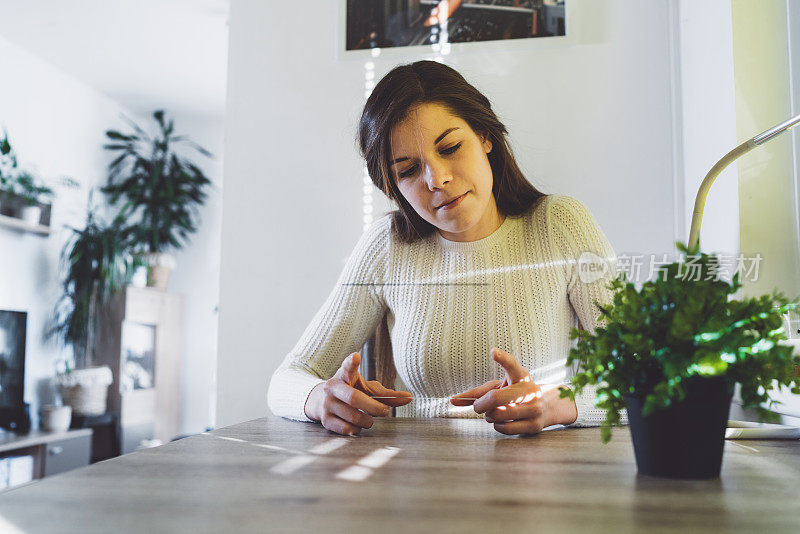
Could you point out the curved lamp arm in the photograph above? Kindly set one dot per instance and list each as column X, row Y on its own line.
column 744, row 148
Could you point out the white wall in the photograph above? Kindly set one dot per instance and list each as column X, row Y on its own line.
column 197, row 278
column 56, row 125
column 707, row 120
column 592, row 119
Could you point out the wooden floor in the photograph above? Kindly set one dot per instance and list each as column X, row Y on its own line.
column 407, row 475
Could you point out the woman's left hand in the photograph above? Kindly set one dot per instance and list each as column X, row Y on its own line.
column 517, row 405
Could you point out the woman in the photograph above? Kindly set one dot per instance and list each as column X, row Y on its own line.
column 476, row 268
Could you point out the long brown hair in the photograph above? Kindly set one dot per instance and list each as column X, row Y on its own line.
column 421, row 82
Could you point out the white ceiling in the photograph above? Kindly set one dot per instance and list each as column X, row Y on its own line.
column 144, row 54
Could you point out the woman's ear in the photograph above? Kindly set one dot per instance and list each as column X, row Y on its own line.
column 487, row 144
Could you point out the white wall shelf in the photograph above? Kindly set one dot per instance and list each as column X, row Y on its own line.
column 18, row 224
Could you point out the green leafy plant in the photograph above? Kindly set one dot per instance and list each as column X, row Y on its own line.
column 17, row 183
column 97, row 266
column 672, row 329
column 29, row 190
column 158, row 191
column 8, row 161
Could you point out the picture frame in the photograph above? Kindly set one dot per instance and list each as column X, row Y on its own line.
column 402, row 53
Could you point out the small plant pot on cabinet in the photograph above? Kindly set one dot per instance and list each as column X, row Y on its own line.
column 686, row 439
column 159, row 268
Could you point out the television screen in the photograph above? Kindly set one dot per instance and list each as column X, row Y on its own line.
column 12, row 357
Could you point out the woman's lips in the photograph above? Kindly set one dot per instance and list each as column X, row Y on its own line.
column 453, row 203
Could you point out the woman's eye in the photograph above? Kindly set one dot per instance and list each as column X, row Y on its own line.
column 408, row 172
column 413, row 169
column 451, row 150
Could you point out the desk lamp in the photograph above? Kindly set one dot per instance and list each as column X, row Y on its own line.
column 699, row 203
column 744, row 148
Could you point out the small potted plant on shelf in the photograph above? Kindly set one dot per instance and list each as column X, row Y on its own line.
column 671, row 352
column 32, row 195
column 159, row 191
column 21, row 194
column 98, row 266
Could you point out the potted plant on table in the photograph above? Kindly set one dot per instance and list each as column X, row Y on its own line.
column 671, row 352
column 98, row 266
column 159, row 192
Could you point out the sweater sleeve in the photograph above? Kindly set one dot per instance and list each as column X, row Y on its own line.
column 341, row 326
column 590, row 264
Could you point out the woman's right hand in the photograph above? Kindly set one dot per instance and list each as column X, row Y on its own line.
column 344, row 404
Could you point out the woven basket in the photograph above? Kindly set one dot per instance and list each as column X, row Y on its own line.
column 85, row 390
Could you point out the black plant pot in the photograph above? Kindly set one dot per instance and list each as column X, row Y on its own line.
column 686, row 439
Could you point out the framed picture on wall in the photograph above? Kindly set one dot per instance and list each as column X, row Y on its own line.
column 390, row 24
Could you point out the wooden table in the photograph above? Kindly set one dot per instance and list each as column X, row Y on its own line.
column 439, row 475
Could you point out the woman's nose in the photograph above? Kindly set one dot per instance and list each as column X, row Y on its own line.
column 436, row 176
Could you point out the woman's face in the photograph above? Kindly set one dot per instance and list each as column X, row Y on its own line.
column 436, row 158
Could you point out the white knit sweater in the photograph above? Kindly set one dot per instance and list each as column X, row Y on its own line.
column 450, row 302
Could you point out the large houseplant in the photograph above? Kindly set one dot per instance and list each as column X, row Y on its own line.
column 97, row 266
column 158, row 190
column 671, row 352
